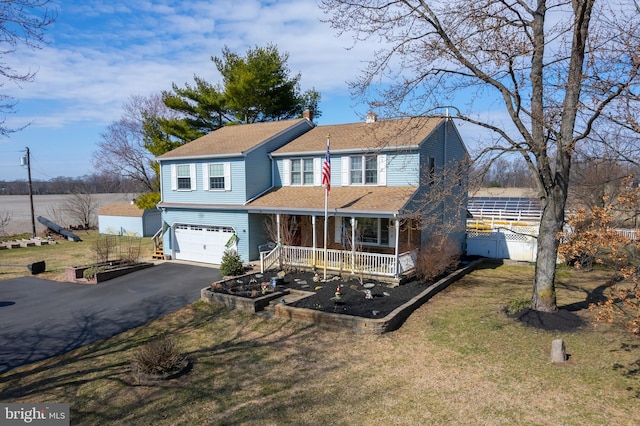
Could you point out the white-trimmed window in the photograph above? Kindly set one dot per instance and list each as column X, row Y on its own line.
column 302, row 171
column 364, row 170
column 370, row 231
column 217, row 176
column 183, row 177
column 374, row 230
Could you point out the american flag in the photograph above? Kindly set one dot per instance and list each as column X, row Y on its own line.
column 326, row 168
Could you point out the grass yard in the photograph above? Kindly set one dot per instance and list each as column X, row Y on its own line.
column 457, row 360
column 57, row 256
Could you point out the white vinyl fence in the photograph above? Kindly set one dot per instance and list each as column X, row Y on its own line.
column 503, row 243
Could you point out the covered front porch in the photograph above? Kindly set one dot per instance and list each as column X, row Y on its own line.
column 367, row 229
column 368, row 246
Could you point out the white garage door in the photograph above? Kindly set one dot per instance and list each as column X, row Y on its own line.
column 202, row 243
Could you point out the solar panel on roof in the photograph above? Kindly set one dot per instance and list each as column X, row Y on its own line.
column 504, row 206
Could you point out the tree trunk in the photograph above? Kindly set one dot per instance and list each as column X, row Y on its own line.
column 544, row 293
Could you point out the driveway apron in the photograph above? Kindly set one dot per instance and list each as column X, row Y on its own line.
column 40, row 319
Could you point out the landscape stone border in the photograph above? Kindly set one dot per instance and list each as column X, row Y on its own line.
column 75, row 274
column 245, row 304
column 390, row 322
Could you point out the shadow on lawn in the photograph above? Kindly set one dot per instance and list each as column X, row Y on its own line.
column 246, row 359
column 632, row 370
column 88, row 326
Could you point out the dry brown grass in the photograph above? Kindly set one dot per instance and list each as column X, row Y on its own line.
column 457, row 360
column 57, row 256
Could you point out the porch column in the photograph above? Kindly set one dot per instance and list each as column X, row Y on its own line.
column 354, row 223
column 279, row 242
column 315, row 242
column 397, row 272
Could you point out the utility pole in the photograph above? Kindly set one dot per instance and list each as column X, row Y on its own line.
column 33, row 217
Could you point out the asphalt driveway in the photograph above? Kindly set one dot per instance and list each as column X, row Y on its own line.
column 41, row 318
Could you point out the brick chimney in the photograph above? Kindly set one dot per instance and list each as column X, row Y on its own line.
column 308, row 115
column 372, row 117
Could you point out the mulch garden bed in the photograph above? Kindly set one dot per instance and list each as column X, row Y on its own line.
column 347, row 295
column 367, row 298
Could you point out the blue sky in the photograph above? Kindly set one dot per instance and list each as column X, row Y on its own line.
column 99, row 53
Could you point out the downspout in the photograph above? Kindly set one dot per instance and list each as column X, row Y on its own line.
column 446, row 132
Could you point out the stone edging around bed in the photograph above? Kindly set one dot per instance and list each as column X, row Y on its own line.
column 390, row 322
column 241, row 303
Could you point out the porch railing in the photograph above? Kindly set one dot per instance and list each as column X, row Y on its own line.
column 157, row 237
column 632, row 234
column 337, row 260
column 269, row 258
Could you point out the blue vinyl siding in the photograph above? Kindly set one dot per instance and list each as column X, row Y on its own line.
column 238, row 220
column 278, row 172
column 257, row 234
column 237, row 194
column 258, row 163
column 454, row 152
column 403, row 169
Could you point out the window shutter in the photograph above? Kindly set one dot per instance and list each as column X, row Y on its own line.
column 382, row 170
column 346, row 171
column 286, row 172
column 227, row 176
column 317, row 176
column 205, row 176
column 174, row 178
column 192, row 170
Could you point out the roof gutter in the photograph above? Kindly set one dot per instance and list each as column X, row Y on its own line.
column 347, row 151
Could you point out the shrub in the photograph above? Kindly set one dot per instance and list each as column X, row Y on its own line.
column 437, row 256
column 91, row 272
column 517, row 305
column 159, row 357
column 231, row 263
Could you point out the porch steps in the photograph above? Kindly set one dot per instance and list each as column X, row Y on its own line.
column 294, row 295
column 158, row 254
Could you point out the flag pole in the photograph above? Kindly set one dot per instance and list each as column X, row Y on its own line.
column 326, row 227
column 326, row 177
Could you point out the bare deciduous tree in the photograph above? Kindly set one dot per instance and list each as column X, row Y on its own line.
column 556, row 69
column 22, row 22
column 122, row 150
column 81, row 208
column 5, row 219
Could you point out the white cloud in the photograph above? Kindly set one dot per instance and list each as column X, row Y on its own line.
column 109, row 51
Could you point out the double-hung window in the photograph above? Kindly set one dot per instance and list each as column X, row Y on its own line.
column 363, row 170
column 302, row 171
column 216, row 176
column 183, row 176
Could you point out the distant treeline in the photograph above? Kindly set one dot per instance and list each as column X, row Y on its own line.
column 89, row 184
